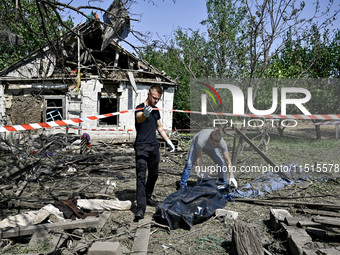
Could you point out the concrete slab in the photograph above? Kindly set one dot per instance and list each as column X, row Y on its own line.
column 105, row 248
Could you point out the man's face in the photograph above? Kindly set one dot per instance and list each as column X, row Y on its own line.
column 213, row 143
column 153, row 98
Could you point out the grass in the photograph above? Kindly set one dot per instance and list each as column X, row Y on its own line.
column 318, row 156
column 304, row 151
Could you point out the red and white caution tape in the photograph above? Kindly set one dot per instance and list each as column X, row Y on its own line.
column 271, row 116
column 96, row 129
column 58, row 123
column 123, row 130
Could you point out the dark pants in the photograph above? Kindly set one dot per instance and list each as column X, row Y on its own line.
column 147, row 158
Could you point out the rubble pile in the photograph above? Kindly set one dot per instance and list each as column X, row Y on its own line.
column 67, row 194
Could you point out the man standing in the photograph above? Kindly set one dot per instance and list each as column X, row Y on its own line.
column 209, row 142
column 147, row 121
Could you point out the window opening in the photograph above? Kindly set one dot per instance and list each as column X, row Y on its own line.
column 54, row 109
column 108, row 105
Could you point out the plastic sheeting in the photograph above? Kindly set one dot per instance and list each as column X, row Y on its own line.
column 269, row 182
column 190, row 205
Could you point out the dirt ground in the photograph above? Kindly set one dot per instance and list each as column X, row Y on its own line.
column 106, row 164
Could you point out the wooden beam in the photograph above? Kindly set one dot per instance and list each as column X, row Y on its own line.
column 21, row 189
column 318, row 212
column 141, row 241
column 268, row 160
column 319, row 206
column 327, row 221
column 29, row 230
column 246, row 239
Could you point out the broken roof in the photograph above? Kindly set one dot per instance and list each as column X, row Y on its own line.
column 80, row 49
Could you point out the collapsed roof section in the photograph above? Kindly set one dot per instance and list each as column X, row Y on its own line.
column 81, row 49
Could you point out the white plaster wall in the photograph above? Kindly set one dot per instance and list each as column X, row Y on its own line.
column 166, row 103
column 126, row 102
column 89, row 107
column 129, row 99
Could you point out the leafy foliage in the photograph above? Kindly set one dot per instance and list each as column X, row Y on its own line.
column 38, row 23
column 262, row 39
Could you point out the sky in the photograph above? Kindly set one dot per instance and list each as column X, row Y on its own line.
column 162, row 19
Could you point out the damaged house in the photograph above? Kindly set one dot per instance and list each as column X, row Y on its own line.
column 81, row 78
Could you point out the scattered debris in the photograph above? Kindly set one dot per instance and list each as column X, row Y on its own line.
column 141, row 241
column 101, row 180
column 300, row 232
column 246, row 239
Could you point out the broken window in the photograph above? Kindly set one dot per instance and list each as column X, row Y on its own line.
column 108, row 104
column 54, row 108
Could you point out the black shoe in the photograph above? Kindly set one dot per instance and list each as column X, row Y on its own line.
column 139, row 215
column 150, row 202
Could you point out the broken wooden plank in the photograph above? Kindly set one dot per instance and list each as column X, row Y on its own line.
column 132, row 81
column 307, row 223
column 329, row 251
column 327, row 221
column 21, row 189
column 335, row 207
column 141, row 241
column 103, row 219
column 246, row 239
column 318, row 212
column 29, row 230
column 19, row 170
column 16, row 203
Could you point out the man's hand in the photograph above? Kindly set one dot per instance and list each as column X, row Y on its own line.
column 233, row 181
column 147, row 111
column 172, row 147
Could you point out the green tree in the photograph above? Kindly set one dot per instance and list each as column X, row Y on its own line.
column 316, row 58
column 186, row 56
column 244, row 40
column 39, row 24
column 227, row 28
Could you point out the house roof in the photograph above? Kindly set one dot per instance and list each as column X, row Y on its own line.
column 114, row 63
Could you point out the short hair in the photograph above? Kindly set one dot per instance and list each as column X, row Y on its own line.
column 215, row 136
column 156, row 88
